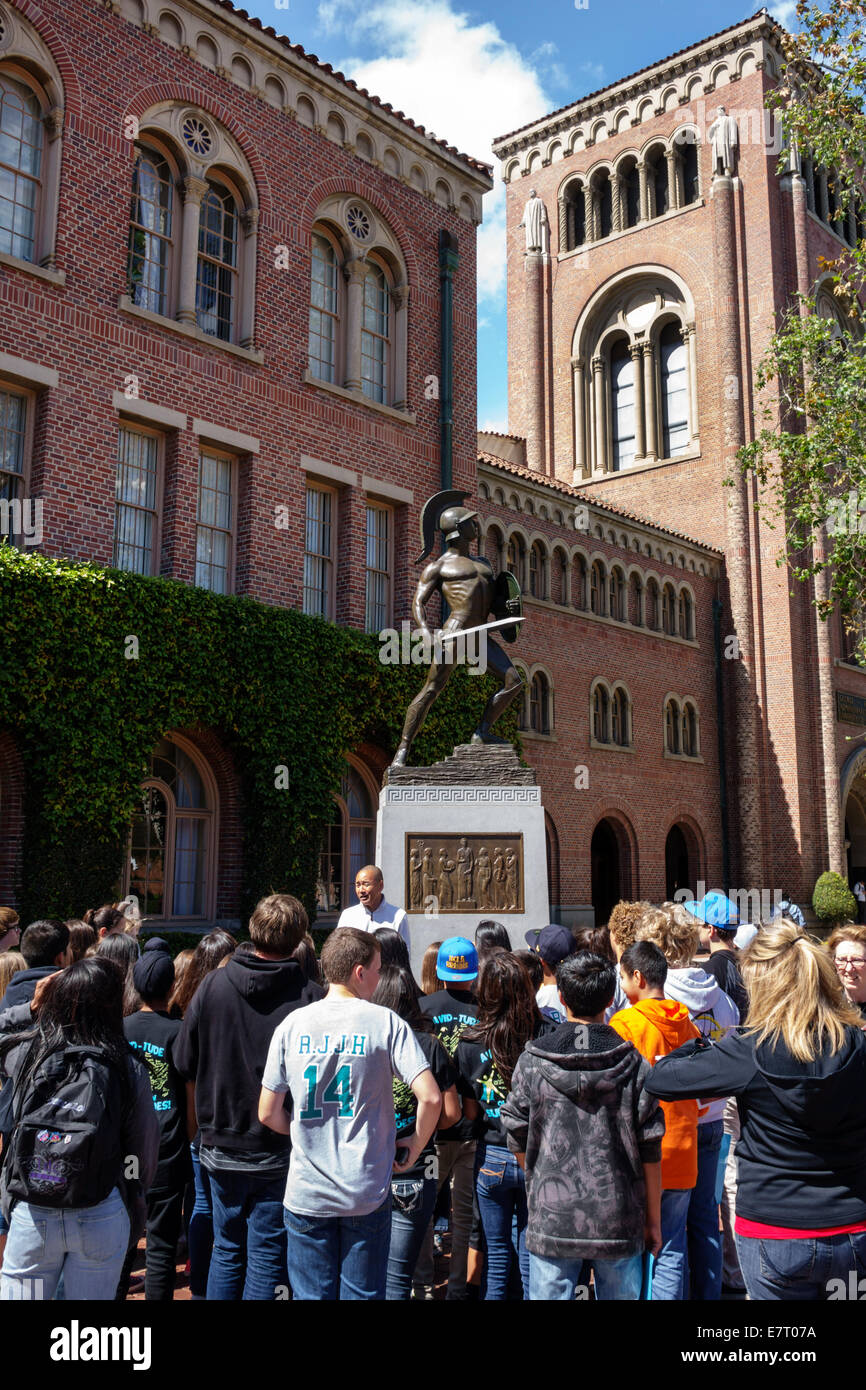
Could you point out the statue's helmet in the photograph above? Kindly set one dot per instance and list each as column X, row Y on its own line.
column 451, row 521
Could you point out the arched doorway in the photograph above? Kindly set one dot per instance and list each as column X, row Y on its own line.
column 853, row 786
column 606, row 870
column 677, row 869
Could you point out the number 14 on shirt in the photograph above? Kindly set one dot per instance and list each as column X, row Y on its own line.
column 337, row 1092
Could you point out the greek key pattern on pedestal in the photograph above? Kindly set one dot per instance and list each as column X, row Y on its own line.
column 464, row 795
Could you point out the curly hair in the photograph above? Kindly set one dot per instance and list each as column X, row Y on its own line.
column 623, row 924
column 674, row 931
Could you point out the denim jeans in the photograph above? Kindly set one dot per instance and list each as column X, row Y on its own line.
column 799, row 1270
column 412, row 1203
column 87, row 1245
column 702, row 1223
column 501, row 1189
column 339, row 1257
column 200, row 1234
column 553, row 1279
column 249, row 1243
column 669, row 1270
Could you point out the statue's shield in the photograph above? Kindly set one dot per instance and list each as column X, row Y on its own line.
column 507, row 603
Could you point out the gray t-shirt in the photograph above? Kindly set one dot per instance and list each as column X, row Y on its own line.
column 338, row 1059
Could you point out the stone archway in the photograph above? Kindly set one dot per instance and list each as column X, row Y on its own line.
column 853, row 788
column 611, row 865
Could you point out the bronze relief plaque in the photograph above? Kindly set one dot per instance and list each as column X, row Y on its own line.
column 464, row 873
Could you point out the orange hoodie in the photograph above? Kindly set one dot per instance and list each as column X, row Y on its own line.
column 656, row 1027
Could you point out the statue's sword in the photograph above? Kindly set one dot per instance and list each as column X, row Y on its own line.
column 483, row 627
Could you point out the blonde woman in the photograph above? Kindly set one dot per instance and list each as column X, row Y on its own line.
column 798, row 1071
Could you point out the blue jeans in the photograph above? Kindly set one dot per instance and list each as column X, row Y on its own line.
column 552, row 1279
column 501, row 1189
column 87, row 1245
column 702, row 1222
column 800, row 1270
column 339, row 1257
column 249, row 1243
column 200, row 1234
column 669, row 1270
column 412, row 1203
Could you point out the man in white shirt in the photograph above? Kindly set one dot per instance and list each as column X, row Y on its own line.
column 371, row 910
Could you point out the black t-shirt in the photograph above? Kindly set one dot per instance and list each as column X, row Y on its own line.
column 480, row 1079
column 406, row 1105
column 725, row 971
column 452, row 1011
column 151, row 1036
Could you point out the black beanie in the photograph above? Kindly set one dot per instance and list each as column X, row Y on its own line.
column 153, row 974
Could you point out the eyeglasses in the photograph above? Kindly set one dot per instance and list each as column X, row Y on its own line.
column 852, row 963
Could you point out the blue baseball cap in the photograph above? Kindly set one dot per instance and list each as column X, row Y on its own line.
column 457, row 959
column 714, row 909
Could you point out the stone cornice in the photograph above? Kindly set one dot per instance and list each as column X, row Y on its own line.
column 268, row 55
column 648, row 82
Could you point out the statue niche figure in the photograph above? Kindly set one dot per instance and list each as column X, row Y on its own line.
column 472, row 592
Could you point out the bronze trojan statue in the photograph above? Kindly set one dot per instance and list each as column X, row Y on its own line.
column 472, row 593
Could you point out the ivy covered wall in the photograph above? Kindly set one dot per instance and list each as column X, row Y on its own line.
column 96, row 665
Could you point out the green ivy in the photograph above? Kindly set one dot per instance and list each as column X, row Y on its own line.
column 277, row 687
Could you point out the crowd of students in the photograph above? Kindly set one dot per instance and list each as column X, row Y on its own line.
column 598, row 1115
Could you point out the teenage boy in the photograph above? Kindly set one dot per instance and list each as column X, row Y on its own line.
column 453, row 1009
column 221, row 1051
column 657, row 1026
column 45, row 947
column 336, row 1061
column 589, row 1138
column 552, row 945
column 151, row 1034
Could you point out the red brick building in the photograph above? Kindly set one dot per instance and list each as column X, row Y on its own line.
column 652, row 241
column 222, row 269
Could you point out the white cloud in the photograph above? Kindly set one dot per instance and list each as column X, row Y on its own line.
column 785, row 12
column 491, row 425
column 458, row 78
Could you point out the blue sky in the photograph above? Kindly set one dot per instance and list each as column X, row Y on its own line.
column 470, row 73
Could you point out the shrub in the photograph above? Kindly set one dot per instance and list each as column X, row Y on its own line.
column 833, row 900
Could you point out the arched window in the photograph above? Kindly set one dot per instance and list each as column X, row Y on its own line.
column 623, row 414
column 516, row 559
column 493, row 548
column 657, row 174
column 635, row 592
column 216, row 296
column 579, row 583
column 376, row 335
column 616, row 605
column 689, row 731
column 537, row 571
column 631, row 194
column 686, row 614
column 603, row 200
column 151, row 232
column 350, row 841
column 672, row 727
column 540, row 720
column 523, row 715
column 669, row 611
column 170, row 867
column 619, row 719
column 21, row 146
column 652, row 605
column 600, row 715
column 324, row 337
column 576, row 218
column 596, row 591
column 559, row 577
column 689, row 165
column 674, row 367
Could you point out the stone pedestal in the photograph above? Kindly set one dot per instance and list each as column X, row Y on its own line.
column 461, row 841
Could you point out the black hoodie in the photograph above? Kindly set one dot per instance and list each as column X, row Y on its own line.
column 802, row 1152
column 579, row 1110
column 223, row 1046
column 22, row 986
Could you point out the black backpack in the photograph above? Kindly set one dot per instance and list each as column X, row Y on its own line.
column 65, row 1147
